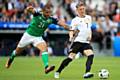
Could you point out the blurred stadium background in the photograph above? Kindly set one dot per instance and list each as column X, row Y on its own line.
column 14, row 21
column 105, row 26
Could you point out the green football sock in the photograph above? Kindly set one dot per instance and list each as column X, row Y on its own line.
column 13, row 55
column 45, row 59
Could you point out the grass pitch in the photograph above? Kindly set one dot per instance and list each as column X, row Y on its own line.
column 31, row 68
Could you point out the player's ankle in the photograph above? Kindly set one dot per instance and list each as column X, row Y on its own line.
column 46, row 67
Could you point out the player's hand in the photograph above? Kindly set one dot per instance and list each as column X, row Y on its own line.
column 62, row 23
column 30, row 9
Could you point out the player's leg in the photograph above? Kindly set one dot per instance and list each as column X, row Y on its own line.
column 25, row 40
column 42, row 46
column 72, row 53
column 90, row 56
column 64, row 64
column 15, row 52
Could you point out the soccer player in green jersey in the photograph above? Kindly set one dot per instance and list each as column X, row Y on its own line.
column 34, row 33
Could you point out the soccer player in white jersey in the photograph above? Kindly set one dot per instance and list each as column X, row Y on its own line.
column 81, row 43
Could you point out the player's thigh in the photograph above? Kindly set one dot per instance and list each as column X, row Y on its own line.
column 75, row 47
column 25, row 40
column 87, row 49
column 19, row 50
column 40, row 44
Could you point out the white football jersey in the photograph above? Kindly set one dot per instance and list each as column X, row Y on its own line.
column 84, row 26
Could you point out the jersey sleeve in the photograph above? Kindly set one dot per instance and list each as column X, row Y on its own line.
column 54, row 20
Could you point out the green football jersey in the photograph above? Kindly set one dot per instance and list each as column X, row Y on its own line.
column 39, row 24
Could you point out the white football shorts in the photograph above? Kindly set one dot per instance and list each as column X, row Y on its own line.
column 29, row 39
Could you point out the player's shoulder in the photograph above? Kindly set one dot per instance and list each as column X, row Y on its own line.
column 53, row 18
column 88, row 16
column 75, row 18
column 37, row 14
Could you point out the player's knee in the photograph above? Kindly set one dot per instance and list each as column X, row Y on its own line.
column 72, row 55
column 43, row 50
column 18, row 50
column 88, row 52
column 42, row 46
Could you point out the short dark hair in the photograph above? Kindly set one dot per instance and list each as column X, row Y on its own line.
column 80, row 4
column 46, row 7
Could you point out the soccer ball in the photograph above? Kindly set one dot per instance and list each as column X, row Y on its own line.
column 103, row 74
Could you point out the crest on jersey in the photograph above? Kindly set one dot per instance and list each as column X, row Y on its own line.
column 48, row 21
column 87, row 20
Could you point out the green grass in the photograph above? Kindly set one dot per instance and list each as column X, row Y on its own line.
column 31, row 68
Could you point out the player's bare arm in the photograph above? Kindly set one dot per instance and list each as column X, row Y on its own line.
column 63, row 24
column 71, row 32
